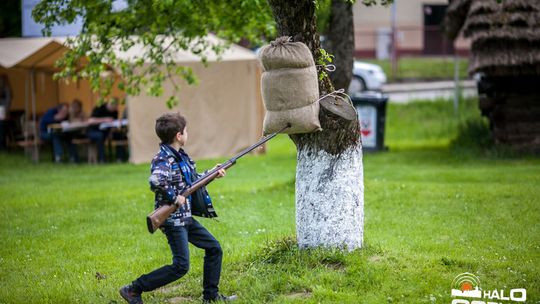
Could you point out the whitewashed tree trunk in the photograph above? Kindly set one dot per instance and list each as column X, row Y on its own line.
column 329, row 174
column 330, row 199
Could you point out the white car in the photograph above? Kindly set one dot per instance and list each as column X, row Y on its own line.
column 366, row 77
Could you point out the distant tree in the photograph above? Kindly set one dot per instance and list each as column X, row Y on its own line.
column 10, row 18
column 329, row 184
column 340, row 42
column 335, row 21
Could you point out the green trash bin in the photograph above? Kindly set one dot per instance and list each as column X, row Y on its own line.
column 371, row 108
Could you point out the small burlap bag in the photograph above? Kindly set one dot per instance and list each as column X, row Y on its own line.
column 290, row 87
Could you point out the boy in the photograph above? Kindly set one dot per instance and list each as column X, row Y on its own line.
column 168, row 181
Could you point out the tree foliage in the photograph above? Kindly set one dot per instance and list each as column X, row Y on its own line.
column 163, row 27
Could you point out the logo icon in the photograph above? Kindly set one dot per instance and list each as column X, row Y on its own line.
column 466, row 285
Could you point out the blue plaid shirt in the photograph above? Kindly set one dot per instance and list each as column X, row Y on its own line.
column 167, row 181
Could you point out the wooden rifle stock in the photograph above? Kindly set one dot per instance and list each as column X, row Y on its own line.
column 155, row 219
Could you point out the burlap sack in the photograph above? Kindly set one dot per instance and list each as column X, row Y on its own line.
column 286, row 89
column 284, row 54
column 290, row 87
column 302, row 118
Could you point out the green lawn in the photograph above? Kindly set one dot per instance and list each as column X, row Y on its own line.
column 430, row 214
column 423, row 68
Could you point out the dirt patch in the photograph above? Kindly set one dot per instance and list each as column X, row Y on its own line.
column 179, row 300
column 168, row 289
column 335, row 266
column 298, row 295
column 375, row 258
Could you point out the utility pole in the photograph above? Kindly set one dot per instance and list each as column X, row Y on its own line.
column 394, row 40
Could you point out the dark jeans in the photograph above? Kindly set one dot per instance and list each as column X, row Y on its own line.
column 120, row 151
column 98, row 137
column 3, row 129
column 57, row 140
column 178, row 237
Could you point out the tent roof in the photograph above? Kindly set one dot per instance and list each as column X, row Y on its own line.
column 234, row 52
column 41, row 53
column 30, row 52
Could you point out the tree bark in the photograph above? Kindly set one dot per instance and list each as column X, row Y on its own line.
column 329, row 174
column 340, row 42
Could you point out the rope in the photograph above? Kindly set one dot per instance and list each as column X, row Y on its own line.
column 281, row 41
column 328, row 67
column 337, row 93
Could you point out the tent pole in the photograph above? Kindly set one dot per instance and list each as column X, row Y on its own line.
column 26, row 110
column 35, row 154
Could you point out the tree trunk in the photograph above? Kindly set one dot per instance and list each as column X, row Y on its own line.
column 329, row 174
column 340, row 42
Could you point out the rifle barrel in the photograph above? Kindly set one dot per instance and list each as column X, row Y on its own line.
column 245, row 151
column 260, row 142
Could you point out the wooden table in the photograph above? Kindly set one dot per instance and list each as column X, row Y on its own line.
column 67, row 126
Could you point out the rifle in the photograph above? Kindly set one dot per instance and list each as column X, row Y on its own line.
column 155, row 219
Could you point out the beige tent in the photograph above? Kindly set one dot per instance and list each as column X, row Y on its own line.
column 224, row 111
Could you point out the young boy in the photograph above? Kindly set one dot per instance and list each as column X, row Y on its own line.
column 167, row 182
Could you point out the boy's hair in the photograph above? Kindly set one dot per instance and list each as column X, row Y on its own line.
column 168, row 124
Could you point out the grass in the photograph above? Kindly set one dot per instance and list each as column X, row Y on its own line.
column 75, row 234
column 423, row 68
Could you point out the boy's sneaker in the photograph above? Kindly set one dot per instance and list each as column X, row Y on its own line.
column 221, row 298
column 130, row 296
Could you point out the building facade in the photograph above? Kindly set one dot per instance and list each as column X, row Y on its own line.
column 418, row 30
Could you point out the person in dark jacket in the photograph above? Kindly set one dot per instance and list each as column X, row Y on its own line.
column 107, row 112
column 5, row 103
column 55, row 115
column 171, row 171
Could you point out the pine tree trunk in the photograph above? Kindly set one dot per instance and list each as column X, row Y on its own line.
column 329, row 174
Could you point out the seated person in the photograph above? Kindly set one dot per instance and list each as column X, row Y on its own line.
column 77, row 116
column 54, row 115
column 76, row 113
column 5, row 102
column 120, row 134
column 104, row 113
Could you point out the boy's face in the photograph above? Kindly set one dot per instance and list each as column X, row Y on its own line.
column 182, row 137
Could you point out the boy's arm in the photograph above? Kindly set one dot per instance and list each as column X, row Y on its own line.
column 160, row 180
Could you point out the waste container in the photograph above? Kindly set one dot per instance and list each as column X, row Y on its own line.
column 371, row 108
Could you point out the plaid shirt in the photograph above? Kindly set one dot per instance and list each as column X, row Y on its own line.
column 167, row 182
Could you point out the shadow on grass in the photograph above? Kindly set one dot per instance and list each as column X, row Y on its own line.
column 475, row 140
column 286, row 251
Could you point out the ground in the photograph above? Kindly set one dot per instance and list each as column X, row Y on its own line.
column 433, row 210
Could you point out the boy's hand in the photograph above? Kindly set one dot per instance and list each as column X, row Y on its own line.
column 180, row 200
column 221, row 172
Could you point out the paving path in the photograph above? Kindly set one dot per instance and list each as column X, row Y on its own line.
column 405, row 92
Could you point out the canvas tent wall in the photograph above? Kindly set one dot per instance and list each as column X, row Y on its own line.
column 224, row 112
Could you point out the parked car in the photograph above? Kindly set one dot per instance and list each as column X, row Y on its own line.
column 366, row 77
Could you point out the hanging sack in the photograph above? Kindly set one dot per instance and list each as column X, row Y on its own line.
column 290, row 87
